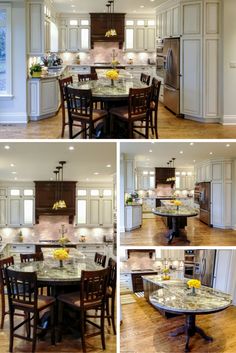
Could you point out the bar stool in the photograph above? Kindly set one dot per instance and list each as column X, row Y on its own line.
column 100, row 259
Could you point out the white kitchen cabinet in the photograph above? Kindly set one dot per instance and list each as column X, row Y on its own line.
column 3, row 207
column 172, row 254
column 184, row 179
column 62, row 39
column 133, row 217
column 168, row 20
column 159, row 25
column 176, row 21
column 16, row 249
column 47, row 36
column 73, row 39
column 129, row 180
column 89, row 250
column 94, row 207
column 125, row 283
column 20, row 207
column 140, row 34
column 192, row 18
column 145, row 179
column 44, row 100
column 148, row 204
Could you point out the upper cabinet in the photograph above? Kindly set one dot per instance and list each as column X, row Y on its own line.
column 168, row 20
column 73, row 33
column 140, row 34
column 40, row 20
column 145, row 179
column 17, row 206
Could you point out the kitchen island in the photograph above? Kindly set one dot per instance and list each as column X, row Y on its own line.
column 175, row 297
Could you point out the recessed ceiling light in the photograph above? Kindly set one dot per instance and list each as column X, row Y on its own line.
column 15, row 178
column 108, row 165
column 13, row 172
column 152, row 0
column 96, row 173
column 211, row 153
column 87, row 179
column 150, row 151
column 181, row 152
column 71, row 148
column 74, row 11
column 194, row 160
column 228, row 145
column 72, row 5
column 12, row 165
column 148, row 159
column 7, row 147
column 141, row 6
column 191, row 143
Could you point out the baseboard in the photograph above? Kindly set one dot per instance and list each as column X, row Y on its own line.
column 229, row 120
column 203, row 120
column 13, row 118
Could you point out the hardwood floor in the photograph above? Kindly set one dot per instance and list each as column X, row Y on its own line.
column 170, row 127
column 69, row 344
column 153, row 233
column 144, row 330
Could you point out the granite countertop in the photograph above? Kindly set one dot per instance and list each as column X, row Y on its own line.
column 133, row 204
column 183, row 211
column 176, row 297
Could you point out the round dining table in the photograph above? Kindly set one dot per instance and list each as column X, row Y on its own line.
column 176, row 215
column 179, row 299
column 110, row 95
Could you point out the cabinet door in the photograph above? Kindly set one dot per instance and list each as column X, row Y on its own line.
column 168, row 23
column 28, row 211
column 63, row 39
column 159, row 25
column 191, row 103
column 35, row 29
column 150, row 39
column 129, row 38
column 49, row 96
column 47, row 39
column 192, row 18
column 73, row 38
column 3, row 211
column 129, row 180
column 163, row 24
column 14, row 212
column 84, row 38
column 106, row 212
column 94, row 211
column 82, row 211
column 176, row 21
column 140, row 38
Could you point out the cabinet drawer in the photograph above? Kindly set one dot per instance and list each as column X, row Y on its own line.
column 15, row 248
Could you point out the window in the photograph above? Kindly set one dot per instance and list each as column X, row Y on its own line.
column 84, row 22
column 107, row 192
column 15, row 192
column 28, row 192
column 151, row 23
column 129, row 23
column 140, row 22
column 81, row 192
column 73, row 23
column 94, row 192
column 5, row 50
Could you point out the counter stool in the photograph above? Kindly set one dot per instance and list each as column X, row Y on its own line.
column 100, row 259
column 111, row 293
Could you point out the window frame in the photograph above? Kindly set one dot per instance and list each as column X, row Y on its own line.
column 5, row 95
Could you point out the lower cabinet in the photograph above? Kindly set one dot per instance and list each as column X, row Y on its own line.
column 133, row 217
column 137, row 280
column 125, row 283
column 16, row 249
column 89, row 250
column 44, row 100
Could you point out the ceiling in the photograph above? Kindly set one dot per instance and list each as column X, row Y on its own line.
column 37, row 160
column 123, row 6
column 162, row 152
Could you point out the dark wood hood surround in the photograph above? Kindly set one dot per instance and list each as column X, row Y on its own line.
column 162, row 174
column 100, row 23
column 45, row 192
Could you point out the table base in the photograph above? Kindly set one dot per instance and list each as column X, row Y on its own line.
column 175, row 231
column 190, row 329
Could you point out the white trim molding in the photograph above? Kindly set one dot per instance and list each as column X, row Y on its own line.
column 8, row 92
column 229, row 120
column 13, row 118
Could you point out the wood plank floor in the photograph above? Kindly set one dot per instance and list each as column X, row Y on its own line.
column 144, row 330
column 170, row 127
column 69, row 344
column 153, row 233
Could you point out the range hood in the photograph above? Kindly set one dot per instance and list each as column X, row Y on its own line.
column 99, row 26
column 45, row 192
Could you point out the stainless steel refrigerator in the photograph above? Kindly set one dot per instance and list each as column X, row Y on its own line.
column 205, row 266
column 171, row 53
column 205, row 202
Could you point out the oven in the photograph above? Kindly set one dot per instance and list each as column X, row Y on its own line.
column 197, row 194
column 189, row 270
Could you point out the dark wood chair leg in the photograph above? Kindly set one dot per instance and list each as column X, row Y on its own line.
column 60, row 319
column 71, row 129
column 130, row 127
column 63, row 122
column 90, row 131
column 102, row 328
column 3, row 309
column 108, row 311
column 83, row 332
column 113, row 315
column 155, row 126
column 35, row 322
column 11, row 332
column 27, row 324
column 52, row 312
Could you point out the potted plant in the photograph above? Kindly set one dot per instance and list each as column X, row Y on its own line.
column 35, row 70
column 129, row 200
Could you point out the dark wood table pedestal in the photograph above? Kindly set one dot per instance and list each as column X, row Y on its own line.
column 175, row 231
column 190, row 329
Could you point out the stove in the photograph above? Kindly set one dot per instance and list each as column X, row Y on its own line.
column 49, row 241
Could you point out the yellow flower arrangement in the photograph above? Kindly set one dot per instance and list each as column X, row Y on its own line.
column 63, row 240
column 194, row 283
column 115, row 62
column 177, row 203
column 165, row 270
column 60, row 254
column 112, row 74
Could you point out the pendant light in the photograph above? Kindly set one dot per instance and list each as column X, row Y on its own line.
column 61, row 202
column 111, row 32
column 55, row 205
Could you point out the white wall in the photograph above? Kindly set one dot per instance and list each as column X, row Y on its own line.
column 229, row 45
column 15, row 110
column 122, row 194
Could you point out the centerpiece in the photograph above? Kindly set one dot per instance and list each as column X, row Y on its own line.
column 177, row 203
column 165, row 273
column 194, row 283
column 112, row 75
column 36, row 70
column 61, row 255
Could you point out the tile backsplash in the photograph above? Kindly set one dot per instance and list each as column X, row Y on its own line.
column 49, row 229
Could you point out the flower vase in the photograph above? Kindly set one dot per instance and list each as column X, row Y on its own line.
column 193, row 291
column 177, row 207
column 61, row 263
column 112, row 83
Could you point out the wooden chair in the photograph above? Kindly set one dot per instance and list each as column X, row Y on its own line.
column 145, row 78
column 111, row 293
column 23, row 296
column 154, row 101
column 4, row 263
column 137, row 111
column 38, row 256
column 64, row 82
column 100, row 259
column 80, row 109
column 87, row 77
column 92, row 296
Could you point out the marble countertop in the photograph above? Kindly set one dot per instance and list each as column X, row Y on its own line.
column 183, row 211
column 175, row 296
